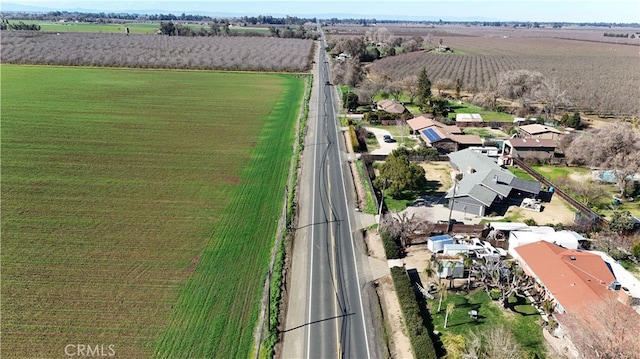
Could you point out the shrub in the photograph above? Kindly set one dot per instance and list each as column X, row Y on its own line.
column 418, row 334
column 355, row 144
column 391, row 248
column 635, row 249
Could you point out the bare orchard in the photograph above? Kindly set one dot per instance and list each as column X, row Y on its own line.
column 156, row 51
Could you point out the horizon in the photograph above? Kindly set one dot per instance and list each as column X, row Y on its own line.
column 568, row 11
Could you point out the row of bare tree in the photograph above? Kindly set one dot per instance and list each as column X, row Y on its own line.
column 100, row 49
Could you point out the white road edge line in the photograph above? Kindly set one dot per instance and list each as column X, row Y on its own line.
column 313, row 209
column 353, row 251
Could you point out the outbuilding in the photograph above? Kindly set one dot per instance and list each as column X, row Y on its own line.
column 455, row 249
column 436, row 243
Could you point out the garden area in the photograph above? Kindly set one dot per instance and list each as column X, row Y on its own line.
column 521, row 317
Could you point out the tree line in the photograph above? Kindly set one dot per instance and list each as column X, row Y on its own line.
column 5, row 25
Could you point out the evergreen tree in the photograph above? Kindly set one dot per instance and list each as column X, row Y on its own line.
column 424, row 90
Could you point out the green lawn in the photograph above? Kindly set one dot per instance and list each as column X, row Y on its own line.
column 520, row 173
column 553, row 173
column 484, row 132
column 486, row 114
column 523, row 319
column 139, row 207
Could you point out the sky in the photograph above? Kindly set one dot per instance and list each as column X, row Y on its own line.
column 619, row 11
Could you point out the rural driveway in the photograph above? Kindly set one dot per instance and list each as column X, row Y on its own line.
column 385, row 148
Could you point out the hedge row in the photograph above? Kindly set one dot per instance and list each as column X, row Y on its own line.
column 391, row 248
column 419, row 335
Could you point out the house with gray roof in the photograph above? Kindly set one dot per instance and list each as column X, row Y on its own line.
column 485, row 185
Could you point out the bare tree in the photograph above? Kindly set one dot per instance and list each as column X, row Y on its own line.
column 404, row 226
column 394, row 88
column 496, row 343
column 353, row 72
column 522, row 86
column 410, row 86
column 508, row 280
column 587, row 191
column 605, row 330
column 443, row 84
column 368, row 90
column 552, row 97
column 380, row 35
column 487, row 99
column 614, row 147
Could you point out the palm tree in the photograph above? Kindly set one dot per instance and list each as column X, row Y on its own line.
column 429, row 271
column 450, row 307
column 467, row 262
column 439, row 267
column 452, row 266
column 441, row 289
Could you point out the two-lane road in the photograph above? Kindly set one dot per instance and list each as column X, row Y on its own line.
column 331, row 321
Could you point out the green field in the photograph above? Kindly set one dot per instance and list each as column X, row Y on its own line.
column 139, row 207
column 134, row 27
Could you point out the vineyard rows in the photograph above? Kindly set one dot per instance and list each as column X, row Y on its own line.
column 151, row 51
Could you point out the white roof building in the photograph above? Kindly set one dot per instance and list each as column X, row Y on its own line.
column 566, row 239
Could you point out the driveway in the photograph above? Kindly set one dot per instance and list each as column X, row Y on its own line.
column 385, row 148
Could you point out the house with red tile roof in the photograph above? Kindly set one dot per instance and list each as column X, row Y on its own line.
column 570, row 277
column 581, row 284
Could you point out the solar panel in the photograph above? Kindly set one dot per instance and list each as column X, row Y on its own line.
column 431, row 134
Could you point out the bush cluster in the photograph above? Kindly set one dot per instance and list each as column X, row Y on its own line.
column 376, row 118
column 419, row 335
column 391, row 248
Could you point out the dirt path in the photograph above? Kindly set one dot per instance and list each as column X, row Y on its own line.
column 399, row 346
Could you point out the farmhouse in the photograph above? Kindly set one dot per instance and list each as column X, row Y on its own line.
column 539, row 131
column 543, row 150
column 440, row 136
column 568, row 276
column 391, row 106
column 485, row 185
column 574, row 280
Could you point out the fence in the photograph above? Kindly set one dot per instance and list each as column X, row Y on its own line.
column 586, row 214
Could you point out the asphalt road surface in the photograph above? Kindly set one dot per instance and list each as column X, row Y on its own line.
column 325, row 317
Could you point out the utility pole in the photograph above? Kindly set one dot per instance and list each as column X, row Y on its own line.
column 381, row 201
column 453, row 199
